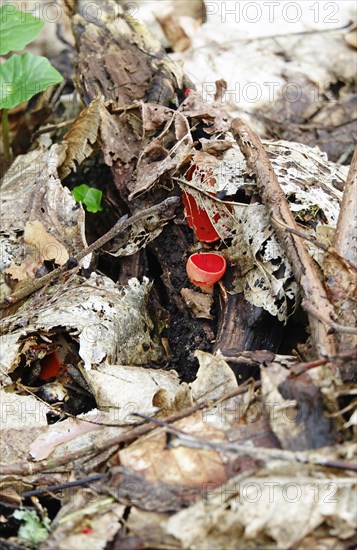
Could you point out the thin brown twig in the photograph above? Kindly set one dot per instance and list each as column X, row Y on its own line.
column 345, row 244
column 51, row 127
column 181, row 438
column 310, row 308
column 303, row 367
column 328, row 249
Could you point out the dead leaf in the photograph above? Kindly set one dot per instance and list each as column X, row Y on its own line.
column 296, row 410
column 119, row 142
column 148, row 172
column 150, row 456
column 81, row 137
column 351, row 38
column 130, row 389
column 40, row 247
column 154, row 116
column 214, row 377
column 212, row 114
column 283, row 506
column 180, row 20
column 199, row 303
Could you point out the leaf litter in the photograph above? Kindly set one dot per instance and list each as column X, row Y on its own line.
column 208, row 460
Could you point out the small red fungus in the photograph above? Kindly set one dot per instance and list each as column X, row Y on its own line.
column 197, row 218
column 187, row 92
column 50, row 366
column 205, row 269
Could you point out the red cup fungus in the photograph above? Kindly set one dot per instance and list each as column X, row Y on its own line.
column 205, row 269
column 197, row 218
column 50, row 366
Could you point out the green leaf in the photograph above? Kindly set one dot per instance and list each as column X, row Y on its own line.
column 23, row 76
column 33, row 529
column 17, row 28
column 89, row 196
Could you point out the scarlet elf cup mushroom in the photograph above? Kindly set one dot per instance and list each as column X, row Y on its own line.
column 205, row 269
column 197, row 218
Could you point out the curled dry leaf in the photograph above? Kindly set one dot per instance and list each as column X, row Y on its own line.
column 198, row 302
column 81, row 137
column 130, row 389
column 31, row 192
column 214, row 377
column 211, row 113
column 149, row 170
column 151, row 457
column 109, row 324
column 296, row 410
column 179, row 20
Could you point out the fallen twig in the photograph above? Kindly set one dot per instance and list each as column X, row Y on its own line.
column 318, row 244
column 335, row 327
column 344, row 356
column 302, row 264
column 180, row 438
column 30, row 468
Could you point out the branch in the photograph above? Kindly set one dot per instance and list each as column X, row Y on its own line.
column 302, row 264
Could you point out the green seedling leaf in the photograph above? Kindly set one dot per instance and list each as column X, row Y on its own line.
column 17, row 28
column 23, row 76
column 33, row 529
column 89, row 196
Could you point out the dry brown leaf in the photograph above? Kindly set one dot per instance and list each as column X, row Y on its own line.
column 199, row 303
column 214, row 377
column 296, row 411
column 175, row 32
column 81, row 136
column 213, row 114
column 23, row 418
column 149, row 170
column 284, row 504
column 154, row 116
column 150, row 456
column 119, row 142
column 30, row 191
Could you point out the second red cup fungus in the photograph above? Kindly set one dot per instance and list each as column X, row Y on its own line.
column 197, row 218
column 205, row 269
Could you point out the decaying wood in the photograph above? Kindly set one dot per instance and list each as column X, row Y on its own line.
column 302, row 264
column 243, row 327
